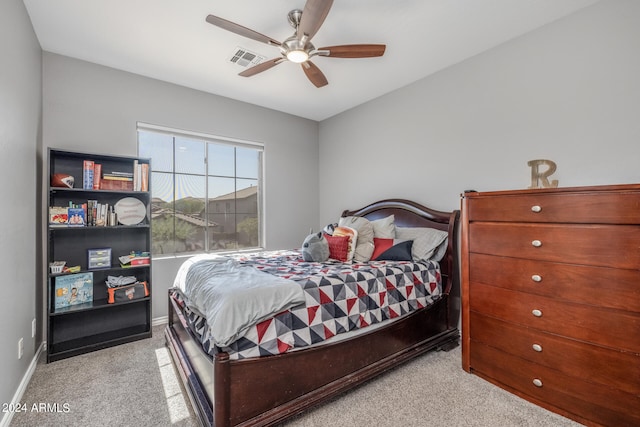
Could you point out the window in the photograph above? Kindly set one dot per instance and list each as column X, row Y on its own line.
column 206, row 191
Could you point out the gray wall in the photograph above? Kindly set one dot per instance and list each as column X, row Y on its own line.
column 94, row 109
column 569, row 92
column 20, row 111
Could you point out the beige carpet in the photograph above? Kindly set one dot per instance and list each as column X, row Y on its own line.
column 136, row 385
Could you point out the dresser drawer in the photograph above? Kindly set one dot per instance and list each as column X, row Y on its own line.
column 620, row 370
column 595, row 208
column 585, row 399
column 602, row 286
column 614, row 329
column 602, row 245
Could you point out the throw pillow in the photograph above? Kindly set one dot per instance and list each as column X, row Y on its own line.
column 392, row 250
column 428, row 243
column 338, row 247
column 384, row 228
column 364, row 243
column 353, row 238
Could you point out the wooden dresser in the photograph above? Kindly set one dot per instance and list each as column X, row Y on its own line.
column 551, row 298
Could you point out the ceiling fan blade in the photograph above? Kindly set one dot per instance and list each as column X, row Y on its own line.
column 263, row 66
column 314, row 74
column 239, row 29
column 353, row 51
column 313, row 15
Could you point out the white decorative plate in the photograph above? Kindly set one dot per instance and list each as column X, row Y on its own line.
column 130, row 211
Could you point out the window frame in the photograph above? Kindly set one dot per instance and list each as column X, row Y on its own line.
column 215, row 139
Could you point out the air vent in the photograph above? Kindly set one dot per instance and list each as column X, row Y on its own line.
column 245, row 58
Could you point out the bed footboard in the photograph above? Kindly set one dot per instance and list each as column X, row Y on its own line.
column 244, row 394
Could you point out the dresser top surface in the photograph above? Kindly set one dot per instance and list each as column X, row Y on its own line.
column 558, row 190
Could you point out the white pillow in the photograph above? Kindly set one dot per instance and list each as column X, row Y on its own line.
column 384, row 228
column 428, row 243
column 364, row 244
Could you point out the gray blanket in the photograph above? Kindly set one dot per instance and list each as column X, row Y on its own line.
column 233, row 297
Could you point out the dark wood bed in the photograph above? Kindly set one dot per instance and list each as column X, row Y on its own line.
column 268, row 390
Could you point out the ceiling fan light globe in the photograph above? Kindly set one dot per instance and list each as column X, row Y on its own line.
column 297, row 56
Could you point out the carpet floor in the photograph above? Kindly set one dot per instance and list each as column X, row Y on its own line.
column 137, row 385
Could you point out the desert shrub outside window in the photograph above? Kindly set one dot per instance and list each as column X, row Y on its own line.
column 206, row 191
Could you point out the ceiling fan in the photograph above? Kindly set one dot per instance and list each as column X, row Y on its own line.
column 298, row 48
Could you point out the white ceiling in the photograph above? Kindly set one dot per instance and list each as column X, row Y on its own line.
column 170, row 40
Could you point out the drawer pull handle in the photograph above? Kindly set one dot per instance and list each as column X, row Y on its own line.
column 537, row 347
column 536, row 278
column 536, row 313
column 537, row 382
column 536, row 208
column 536, row 243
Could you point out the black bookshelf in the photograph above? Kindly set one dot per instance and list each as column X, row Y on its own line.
column 89, row 322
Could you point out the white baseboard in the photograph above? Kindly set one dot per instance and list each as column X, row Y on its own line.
column 17, row 397
column 159, row 320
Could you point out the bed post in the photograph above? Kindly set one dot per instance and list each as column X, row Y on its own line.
column 453, row 285
column 221, row 391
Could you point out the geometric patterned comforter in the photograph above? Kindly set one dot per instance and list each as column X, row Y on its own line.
column 340, row 297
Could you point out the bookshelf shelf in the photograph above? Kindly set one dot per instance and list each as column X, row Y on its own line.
column 79, row 318
column 94, row 305
column 91, row 229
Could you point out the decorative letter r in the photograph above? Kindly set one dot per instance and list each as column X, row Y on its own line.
column 541, row 177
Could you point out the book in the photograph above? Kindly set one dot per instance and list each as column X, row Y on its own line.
column 88, row 212
column 136, row 176
column 97, row 176
column 144, row 184
column 73, row 289
column 87, row 174
column 58, row 215
column 120, row 173
column 110, row 177
column 75, row 217
column 118, row 185
column 94, row 213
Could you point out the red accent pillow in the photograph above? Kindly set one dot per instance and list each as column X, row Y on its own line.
column 380, row 245
column 391, row 249
column 338, row 247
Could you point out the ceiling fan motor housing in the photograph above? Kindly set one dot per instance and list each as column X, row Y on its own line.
column 292, row 46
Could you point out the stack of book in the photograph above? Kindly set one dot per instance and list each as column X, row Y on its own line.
column 94, row 179
column 122, row 181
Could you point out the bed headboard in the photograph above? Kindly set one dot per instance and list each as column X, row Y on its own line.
column 412, row 214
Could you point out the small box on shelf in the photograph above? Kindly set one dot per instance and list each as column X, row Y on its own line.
column 98, row 258
column 135, row 259
column 56, row 267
